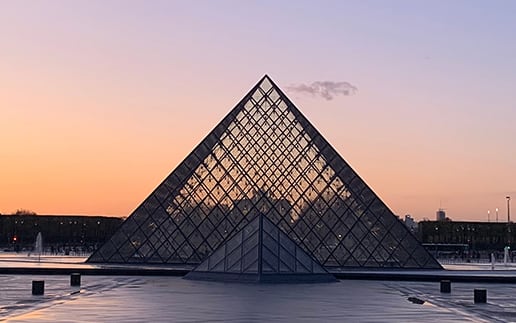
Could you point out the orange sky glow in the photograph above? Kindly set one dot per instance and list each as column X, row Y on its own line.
column 98, row 106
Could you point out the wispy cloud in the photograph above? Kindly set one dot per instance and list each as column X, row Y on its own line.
column 325, row 89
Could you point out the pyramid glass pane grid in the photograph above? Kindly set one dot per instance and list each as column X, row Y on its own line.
column 260, row 252
column 265, row 157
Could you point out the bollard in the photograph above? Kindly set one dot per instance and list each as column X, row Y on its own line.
column 75, row 279
column 38, row 287
column 445, row 286
column 480, row 295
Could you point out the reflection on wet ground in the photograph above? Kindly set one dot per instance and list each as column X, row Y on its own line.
column 172, row 299
column 46, row 261
column 166, row 299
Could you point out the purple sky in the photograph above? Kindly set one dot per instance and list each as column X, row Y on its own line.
column 100, row 100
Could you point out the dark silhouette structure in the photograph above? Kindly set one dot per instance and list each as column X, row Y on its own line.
column 18, row 232
column 265, row 158
column 475, row 236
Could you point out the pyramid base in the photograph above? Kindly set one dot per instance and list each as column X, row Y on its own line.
column 286, row 278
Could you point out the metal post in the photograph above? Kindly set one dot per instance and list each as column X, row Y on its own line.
column 508, row 208
column 75, row 279
column 508, row 220
column 445, row 286
column 480, row 295
column 38, row 287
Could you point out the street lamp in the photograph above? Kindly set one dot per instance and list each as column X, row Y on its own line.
column 508, row 220
column 508, row 209
column 496, row 214
column 488, row 216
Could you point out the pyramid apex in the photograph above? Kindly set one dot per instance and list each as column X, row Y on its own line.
column 265, row 77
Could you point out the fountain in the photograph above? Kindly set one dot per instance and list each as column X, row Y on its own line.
column 38, row 248
column 506, row 255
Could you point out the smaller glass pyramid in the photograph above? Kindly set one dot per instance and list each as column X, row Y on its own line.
column 260, row 252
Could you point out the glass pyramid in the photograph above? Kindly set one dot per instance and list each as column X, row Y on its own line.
column 260, row 252
column 265, row 157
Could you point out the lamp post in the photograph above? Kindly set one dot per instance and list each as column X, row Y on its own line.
column 508, row 220
column 488, row 216
column 496, row 214
column 508, row 208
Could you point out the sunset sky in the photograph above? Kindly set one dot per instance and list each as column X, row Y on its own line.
column 100, row 100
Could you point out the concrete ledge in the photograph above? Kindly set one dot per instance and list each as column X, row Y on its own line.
column 95, row 271
column 452, row 276
column 268, row 278
column 434, row 276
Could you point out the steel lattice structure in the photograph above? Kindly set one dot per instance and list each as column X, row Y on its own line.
column 260, row 252
column 265, row 157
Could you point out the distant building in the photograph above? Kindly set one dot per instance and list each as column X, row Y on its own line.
column 440, row 215
column 18, row 232
column 476, row 235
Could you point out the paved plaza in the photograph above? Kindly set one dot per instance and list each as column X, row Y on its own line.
column 173, row 299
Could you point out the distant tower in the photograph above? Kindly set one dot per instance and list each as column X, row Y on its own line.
column 440, row 215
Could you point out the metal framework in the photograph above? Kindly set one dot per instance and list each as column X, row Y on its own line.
column 260, row 252
column 266, row 158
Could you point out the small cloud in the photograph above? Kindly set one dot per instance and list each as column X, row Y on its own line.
column 325, row 89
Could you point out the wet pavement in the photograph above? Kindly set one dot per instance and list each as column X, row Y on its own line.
column 173, row 299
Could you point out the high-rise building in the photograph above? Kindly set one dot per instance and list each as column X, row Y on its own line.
column 440, row 215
